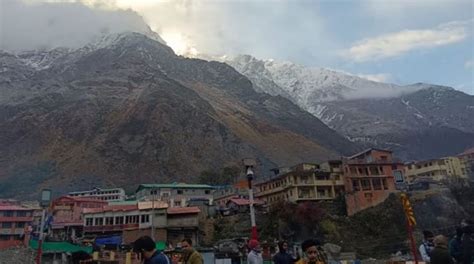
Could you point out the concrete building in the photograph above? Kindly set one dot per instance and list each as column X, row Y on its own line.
column 303, row 182
column 14, row 223
column 109, row 195
column 439, row 169
column 176, row 194
column 369, row 178
column 67, row 215
column 467, row 161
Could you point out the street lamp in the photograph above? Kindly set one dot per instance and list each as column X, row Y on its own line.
column 249, row 164
column 45, row 200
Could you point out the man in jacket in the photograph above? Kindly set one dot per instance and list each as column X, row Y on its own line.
column 283, row 257
column 146, row 248
column 191, row 256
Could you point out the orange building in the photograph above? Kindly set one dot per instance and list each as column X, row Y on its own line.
column 369, row 178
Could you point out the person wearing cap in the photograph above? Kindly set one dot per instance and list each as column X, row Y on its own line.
column 254, row 256
column 146, row 248
column 313, row 253
column 440, row 253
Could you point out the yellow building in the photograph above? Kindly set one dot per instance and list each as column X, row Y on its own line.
column 303, row 182
column 436, row 169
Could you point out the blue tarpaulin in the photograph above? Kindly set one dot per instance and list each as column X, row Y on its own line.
column 111, row 240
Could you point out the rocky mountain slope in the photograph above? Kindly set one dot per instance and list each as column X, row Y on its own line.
column 126, row 110
column 417, row 121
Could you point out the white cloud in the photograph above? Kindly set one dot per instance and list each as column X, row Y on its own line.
column 381, row 77
column 399, row 43
column 469, row 64
column 26, row 25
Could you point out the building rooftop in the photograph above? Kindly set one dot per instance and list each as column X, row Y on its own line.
column 467, row 152
column 12, row 207
column 80, row 199
column 183, row 210
column 110, row 208
column 367, row 151
column 174, row 185
column 97, row 189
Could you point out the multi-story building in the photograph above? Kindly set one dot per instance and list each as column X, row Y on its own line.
column 303, row 182
column 370, row 177
column 109, row 195
column 14, row 223
column 176, row 194
column 131, row 221
column 467, row 161
column 67, row 215
column 438, row 169
column 224, row 194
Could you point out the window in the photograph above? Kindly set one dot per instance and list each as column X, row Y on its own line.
column 180, row 191
column 21, row 213
column 128, row 219
column 109, row 221
column 20, row 225
column 207, row 192
column 398, row 176
column 119, row 220
column 89, row 221
column 384, row 158
column 99, row 221
column 6, row 225
column 377, row 183
column 355, row 185
column 374, row 170
column 4, row 237
column 177, row 203
column 8, row 213
column 145, row 219
column 365, row 184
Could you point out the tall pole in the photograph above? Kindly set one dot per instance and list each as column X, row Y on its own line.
column 251, row 203
column 40, row 238
column 412, row 242
column 153, row 215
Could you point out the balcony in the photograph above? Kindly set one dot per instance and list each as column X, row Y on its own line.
column 108, row 228
column 9, row 231
column 16, row 219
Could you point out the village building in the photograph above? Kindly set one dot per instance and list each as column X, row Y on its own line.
column 67, row 221
column 176, row 194
column 109, row 195
column 14, row 223
column 370, row 177
column 303, row 182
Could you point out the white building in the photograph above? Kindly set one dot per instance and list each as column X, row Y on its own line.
column 109, row 195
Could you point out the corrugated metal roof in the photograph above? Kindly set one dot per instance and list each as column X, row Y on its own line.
column 183, row 210
column 174, row 185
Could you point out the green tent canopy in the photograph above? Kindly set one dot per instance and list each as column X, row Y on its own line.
column 59, row 247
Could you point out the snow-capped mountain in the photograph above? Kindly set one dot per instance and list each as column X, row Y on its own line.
column 126, row 109
column 410, row 119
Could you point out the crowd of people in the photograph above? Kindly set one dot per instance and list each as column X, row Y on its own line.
column 433, row 250
column 459, row 250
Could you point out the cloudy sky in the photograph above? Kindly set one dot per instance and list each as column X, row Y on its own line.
column 402, row 41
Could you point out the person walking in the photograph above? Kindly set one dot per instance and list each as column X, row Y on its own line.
column 283, row 257
column 146, row 248
column 467, row 243
column 255, row 255
column 191, row 255
column 455, row 250
column 426, row 246
column 440, row 252
column 313, row 253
